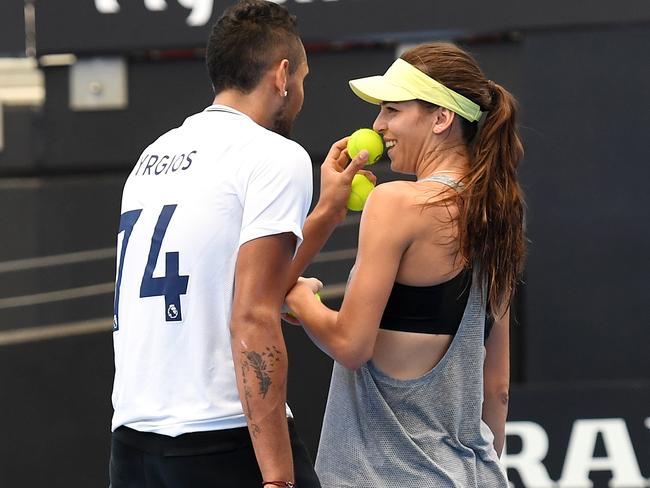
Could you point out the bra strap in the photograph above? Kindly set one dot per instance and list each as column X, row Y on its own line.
column 445, row 180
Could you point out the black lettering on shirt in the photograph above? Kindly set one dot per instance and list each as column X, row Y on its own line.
column 161, row 165
column 180, row 160
column 142, row 158
column 164, row 164
column 169, row 166
column 147, row 168
column 189, row 161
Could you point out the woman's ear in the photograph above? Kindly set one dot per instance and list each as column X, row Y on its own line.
column 443, row 118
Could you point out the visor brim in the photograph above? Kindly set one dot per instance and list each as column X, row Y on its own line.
column 376, row 89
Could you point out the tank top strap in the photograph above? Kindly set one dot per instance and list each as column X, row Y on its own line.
column 445, row 180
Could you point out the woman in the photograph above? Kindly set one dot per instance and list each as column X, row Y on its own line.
column 415, row 399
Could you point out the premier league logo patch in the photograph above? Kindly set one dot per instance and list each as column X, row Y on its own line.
column 172, row 311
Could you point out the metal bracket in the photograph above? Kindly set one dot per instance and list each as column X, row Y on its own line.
column 99, row 84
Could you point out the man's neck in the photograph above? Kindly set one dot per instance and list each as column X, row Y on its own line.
column 251, row 104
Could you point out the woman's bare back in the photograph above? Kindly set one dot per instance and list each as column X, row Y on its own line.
column 431, row 258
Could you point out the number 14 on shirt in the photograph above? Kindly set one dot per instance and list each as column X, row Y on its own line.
column 171, row 286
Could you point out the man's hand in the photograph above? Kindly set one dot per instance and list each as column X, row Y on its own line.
column 331, row 209
column 336, row 178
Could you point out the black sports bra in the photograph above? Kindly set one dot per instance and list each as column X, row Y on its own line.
column 436, row 309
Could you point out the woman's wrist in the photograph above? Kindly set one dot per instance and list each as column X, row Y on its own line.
column 284, row 484
column 297, row 296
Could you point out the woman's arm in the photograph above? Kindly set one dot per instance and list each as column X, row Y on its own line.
column 496, row 379
column 349, row 335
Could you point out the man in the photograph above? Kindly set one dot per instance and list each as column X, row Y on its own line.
column 212, row 215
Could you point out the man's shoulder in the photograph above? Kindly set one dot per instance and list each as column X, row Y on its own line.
column 279, row 145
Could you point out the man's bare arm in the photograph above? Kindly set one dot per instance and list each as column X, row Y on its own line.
column 259, row 352
column 336, row 178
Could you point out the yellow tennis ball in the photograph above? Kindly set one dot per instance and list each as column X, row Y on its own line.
column 361, row 188
column 369, row 140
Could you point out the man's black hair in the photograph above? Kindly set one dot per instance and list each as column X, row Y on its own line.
column 245, row 42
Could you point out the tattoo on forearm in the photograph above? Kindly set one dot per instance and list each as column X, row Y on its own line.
column 261, row 364
column 253, row 427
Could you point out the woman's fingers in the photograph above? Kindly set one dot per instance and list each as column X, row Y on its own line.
column 314, row 284
column 370, row 175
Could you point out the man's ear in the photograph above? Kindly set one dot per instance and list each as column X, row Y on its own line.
column 282, row 77
column 442, row 120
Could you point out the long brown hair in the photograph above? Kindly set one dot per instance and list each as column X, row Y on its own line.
column 490, row 202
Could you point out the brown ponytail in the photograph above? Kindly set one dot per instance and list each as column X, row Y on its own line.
column 490, row 204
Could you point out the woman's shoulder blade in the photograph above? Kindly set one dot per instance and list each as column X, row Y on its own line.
column 389, row 211
column 408, row 196
column 395, row 192
column 387, row 200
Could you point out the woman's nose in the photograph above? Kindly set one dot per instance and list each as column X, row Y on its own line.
column 379, row 125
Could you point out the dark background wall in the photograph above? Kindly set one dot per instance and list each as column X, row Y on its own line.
column 580, row 344
column 12, row 33
column 321, row 21
column 585, row 173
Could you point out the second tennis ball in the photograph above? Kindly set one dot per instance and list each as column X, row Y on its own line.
column 369, row 140
column 361, row 188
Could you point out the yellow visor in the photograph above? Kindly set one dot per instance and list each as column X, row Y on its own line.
column 404, row 81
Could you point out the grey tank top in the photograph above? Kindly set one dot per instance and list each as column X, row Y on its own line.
column 420, row 433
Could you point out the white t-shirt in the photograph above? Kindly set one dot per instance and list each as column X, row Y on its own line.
column 195, row 195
